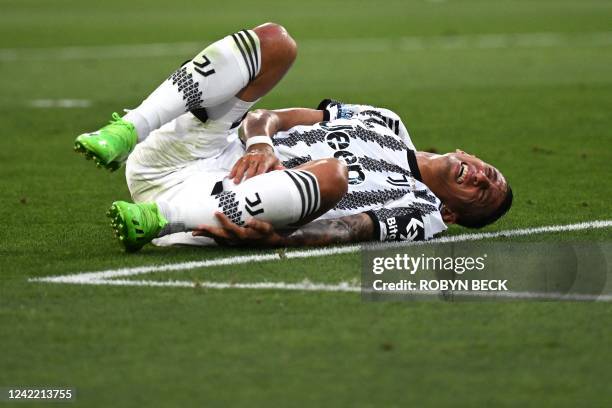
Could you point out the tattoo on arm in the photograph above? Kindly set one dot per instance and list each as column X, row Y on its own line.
column 353, row 228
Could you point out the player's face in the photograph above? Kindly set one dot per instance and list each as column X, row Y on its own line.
column 470, row 184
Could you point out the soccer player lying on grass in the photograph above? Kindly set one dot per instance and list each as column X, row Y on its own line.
column 352, row 168
column 390, row 192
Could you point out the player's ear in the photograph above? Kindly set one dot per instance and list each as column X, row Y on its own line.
column 448, row 215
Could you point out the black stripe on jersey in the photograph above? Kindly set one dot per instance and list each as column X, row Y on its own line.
column 414, row 166
column 381, row 119
column 382, row 140
column 254, row 48
column 360, row 199
column 370, row 112
column 425, row 195
column 378, row 138
column 381, row 166
column 376, row 120
column 296, row 161
column 414, row 209
column 249, row 52
column 315, row 190
column 246, row 61
column 391, row 123
column 300, row 190
column 314, row 136
column 309, row 137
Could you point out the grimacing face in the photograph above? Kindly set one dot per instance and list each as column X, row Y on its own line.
column 468, row 185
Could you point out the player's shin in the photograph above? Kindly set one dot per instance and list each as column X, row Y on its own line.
column 211, row 79
column 284, row 198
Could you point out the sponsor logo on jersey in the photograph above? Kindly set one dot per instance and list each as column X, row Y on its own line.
column 339, row 141
column 404, row 228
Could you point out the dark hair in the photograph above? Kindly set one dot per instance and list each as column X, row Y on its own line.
column 471, row 221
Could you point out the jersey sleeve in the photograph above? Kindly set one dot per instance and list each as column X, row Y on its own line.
column 333, row 110
column 407, row 219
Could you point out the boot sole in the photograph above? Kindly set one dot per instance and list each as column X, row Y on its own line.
column 120, row 227
column 90, row 154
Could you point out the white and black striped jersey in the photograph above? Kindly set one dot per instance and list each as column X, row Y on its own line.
column 384, row 179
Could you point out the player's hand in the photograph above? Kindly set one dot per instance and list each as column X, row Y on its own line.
column 259, row 159
column 254, row 233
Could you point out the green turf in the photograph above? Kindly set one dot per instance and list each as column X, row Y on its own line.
column 540, row 113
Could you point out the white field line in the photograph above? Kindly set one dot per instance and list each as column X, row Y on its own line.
column 344, row 287
column 60, row 103
column 298, row 286
column 402, row 44
column 502, row 234
column 106, row 276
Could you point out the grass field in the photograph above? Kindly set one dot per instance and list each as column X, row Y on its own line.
column 526, row 85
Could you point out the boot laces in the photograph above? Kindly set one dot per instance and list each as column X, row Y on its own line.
column 118, row 121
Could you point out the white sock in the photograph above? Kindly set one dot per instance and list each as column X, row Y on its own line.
column 281, row 197
column 210, row 79
column 228, row 114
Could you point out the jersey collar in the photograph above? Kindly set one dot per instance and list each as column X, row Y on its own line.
column 414, row 166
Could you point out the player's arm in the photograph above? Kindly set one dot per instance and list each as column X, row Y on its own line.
column 344, row 230
column 269, row 122
column 260, row 126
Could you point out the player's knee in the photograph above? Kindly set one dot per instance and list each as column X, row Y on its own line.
column 276, row 43
column 333, row 181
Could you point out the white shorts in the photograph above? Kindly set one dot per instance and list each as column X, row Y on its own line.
column 183, row 154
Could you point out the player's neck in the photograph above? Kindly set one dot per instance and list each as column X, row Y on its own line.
column 425, row 161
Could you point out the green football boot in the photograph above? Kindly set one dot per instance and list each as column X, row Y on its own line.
column 110, row 146
column 136, row 224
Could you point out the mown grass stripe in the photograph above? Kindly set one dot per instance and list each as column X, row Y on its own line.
column 360, row 45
